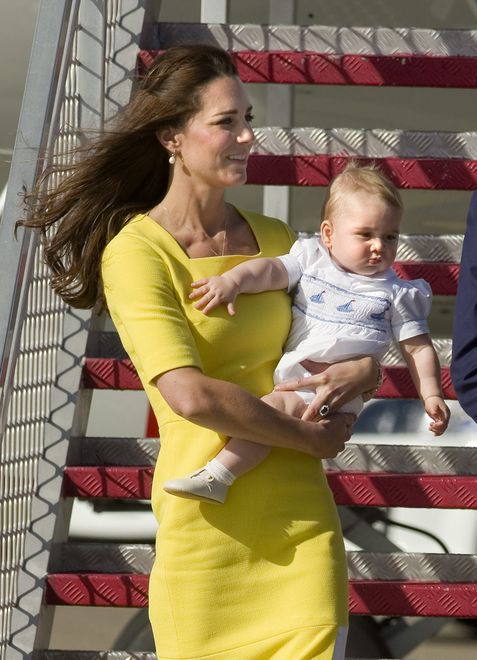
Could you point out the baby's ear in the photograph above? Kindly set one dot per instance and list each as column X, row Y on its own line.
column 326, row 231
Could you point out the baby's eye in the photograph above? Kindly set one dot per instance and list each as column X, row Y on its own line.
column 392, row 237
column 225, row 120
column 249, row 117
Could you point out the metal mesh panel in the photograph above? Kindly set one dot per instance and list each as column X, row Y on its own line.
column 34, row 429
column 22, row 443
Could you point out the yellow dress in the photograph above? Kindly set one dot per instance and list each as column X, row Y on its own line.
column 264, row 575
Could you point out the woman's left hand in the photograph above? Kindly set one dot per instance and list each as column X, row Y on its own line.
column 334, row 384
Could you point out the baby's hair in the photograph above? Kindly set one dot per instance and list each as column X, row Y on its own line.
column 356, row 178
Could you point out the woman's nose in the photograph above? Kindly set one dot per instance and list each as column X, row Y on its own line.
column 246, row 135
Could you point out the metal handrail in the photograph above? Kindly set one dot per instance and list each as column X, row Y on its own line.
column 3, row 196
column 37, row 125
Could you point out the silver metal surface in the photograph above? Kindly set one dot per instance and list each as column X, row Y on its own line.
column 67, row 88
column 369, row 143
column 444, row 247
column 324, row 39
column 113, row 451
column 94, row 655
column 417, row 567
column 416, row 459
column 362, row 565
column 27, row 357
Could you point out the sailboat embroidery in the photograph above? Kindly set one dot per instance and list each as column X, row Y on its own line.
column 318, row 298
column 346, row 307
column 379, row 316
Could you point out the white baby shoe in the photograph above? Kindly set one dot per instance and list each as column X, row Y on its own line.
column 200, row 485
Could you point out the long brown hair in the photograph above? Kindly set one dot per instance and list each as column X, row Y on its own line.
column 122, row 172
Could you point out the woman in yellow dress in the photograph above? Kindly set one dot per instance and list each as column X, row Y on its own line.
column 143, row 212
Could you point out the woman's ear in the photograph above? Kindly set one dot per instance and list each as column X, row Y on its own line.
column 168, row 137
column 326, row 233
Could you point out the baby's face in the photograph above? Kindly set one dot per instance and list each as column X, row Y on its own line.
column 363, row 234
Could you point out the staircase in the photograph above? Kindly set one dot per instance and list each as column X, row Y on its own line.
column 53, row 358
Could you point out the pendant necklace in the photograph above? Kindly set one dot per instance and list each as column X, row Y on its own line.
column 215, row 253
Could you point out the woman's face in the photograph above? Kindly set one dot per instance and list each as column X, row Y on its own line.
column 214, row 146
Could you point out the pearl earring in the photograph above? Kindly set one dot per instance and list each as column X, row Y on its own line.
column 172, row 159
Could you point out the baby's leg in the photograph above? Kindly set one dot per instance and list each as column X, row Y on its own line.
column 211, row 482
column 240, row 456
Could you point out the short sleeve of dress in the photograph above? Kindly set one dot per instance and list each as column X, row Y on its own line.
column 143, row 306
column 411, row 307
column 296, row 260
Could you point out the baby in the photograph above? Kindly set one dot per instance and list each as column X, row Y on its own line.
column 348, row 302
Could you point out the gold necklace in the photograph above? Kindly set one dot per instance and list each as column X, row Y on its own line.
column 224, row 240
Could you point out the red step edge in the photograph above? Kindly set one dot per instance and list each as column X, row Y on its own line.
column 312, row 68
column 349, row 488
column 365, row 597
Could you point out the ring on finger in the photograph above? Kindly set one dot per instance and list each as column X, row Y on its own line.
column 324, row 410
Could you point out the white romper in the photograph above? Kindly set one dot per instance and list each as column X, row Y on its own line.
column 339, row 315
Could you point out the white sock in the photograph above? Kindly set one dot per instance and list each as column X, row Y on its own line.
column 220, row 472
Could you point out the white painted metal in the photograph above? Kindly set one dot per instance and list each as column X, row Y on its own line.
column 279, row 112
column 213, row 11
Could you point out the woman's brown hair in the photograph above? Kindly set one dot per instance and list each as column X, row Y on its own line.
column 123, row 172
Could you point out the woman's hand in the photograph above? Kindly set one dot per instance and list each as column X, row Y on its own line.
column 334, row 384
column 328, row 436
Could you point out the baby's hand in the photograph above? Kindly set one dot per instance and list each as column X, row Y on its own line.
column 213, row 291
column 436, row 408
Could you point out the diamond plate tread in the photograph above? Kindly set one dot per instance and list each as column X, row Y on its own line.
column 101, row 558
column 413, row 459
column 93, row 655
column 111, row 374
column 320, row 38
column 418, row 599
column 102, row 655
column 404, row 490
column 421, row 247
column 354, row 488
column 111, row 347
column 365, row 597
column 411, row 173
column 113, row 451
column 311, row 68
column 104, row 344
column 394, row 566
column 412, row 567
column 366, row 143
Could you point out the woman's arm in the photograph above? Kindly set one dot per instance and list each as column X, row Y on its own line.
column 423, row 365
column 254, row 276
column 228, row 409
column 337, row 383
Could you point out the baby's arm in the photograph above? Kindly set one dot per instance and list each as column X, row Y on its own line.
column 423, row 364
column 254, row 276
